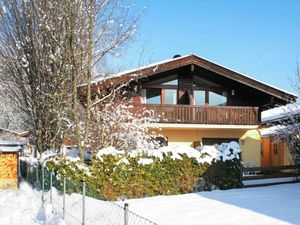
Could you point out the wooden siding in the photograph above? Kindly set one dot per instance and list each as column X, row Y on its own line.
column 8, row 170
column 225, row 115
column 193, row 61
column 270, row 156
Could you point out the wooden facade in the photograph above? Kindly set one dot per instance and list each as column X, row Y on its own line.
column 272, row 152
column 193, row 90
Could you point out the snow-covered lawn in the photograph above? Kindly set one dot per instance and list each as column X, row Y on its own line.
column 271, row 205
column 24, row 207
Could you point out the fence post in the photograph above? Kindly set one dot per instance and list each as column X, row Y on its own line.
column 126, row 214
column 64, row 199
column 83, row 203
column 43, row 184
column 51, row 186
column 27, row 171
column 37, row 174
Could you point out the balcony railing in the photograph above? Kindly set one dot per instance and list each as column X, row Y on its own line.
column 225, row 115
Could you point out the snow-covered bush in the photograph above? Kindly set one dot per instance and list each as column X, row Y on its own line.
column 225, row 170
column 115, row 174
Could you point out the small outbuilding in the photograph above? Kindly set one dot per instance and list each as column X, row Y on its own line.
column 9, row 164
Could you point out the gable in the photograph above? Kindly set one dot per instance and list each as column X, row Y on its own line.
column 210, row 73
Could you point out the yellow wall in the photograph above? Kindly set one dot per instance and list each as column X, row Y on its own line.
column 249, row 140
column 250, row 144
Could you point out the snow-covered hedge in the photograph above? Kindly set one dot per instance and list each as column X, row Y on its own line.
column 115, row 174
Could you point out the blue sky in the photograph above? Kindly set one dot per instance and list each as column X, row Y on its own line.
column 260, row 38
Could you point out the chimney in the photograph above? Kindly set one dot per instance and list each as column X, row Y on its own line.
column 176, row 56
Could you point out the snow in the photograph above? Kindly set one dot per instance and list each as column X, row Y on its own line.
column 108, row 151
column 272, row 205
column 123, row 161
column 269, row 181
column 157, row 64
column 30, row 160
column 45, row 156
column 203, row 154
column 270, row 131
column 10, row 146
column 24, row 207
column 102, row 78
column 280, row 112
column 145, row 161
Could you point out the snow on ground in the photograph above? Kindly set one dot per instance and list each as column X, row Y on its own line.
column 272, row 205
column 268, row 181
column 24, row 207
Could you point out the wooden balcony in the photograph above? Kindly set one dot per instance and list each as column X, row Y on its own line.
column 224, row 115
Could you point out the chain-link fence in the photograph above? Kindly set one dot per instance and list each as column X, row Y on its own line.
column 77, row 203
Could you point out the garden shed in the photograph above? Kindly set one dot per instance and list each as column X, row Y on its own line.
column 9, row 164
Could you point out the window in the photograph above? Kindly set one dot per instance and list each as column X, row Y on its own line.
column 162, row 141
column 153, row 96
column 172, row 82
column 170, row 96
column 199, row 97
column 216, row 99
column 275, row 148
column 212, row 141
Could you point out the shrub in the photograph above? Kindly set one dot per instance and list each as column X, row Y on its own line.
column 225, row 170
column 224, row 174
column 117, row 174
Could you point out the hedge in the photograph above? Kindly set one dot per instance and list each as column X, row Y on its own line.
column 116, row 176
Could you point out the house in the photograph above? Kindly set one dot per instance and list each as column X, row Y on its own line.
column 17, row 136
column 276, row 123
column 200, row 102
column 9, row 164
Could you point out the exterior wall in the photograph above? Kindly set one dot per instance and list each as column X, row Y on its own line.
column 269, row 158
column 250, row 144
column 249, row 139
column 8, row 170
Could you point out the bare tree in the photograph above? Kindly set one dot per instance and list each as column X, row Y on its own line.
column 287, row 128
column 49, row 48
column 119, row 126
column 110, row 24
column 32, row 48
column 287, row 125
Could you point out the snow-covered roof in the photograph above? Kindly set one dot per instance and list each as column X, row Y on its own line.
column 102, row 78
column 10, row 146
column 157, row 64
column 271, row 131
column 280, row 112
column 11, row 143
column 280, row 130
column 10, row 149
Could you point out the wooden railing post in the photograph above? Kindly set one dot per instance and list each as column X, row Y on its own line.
column 224, row 115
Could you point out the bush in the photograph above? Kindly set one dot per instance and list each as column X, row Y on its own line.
column 224, row 174
column 116, row 174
